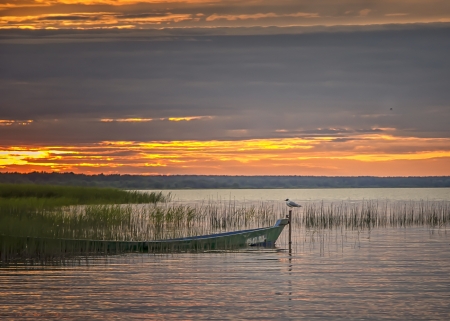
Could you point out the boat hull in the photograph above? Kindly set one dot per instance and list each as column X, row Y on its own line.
column 35, row 247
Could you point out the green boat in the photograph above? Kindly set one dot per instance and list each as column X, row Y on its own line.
column 46, row 248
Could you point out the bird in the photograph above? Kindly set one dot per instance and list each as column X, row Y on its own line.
column 291, row 203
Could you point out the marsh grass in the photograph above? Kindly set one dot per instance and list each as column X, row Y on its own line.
column 373, row 214
column 141, row 222
column 32, row 196
column 156, row 221
column 47, row 231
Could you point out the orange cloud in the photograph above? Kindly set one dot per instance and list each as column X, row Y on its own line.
column 176, row 119
column 126, row 120
column 356, row 155
column 261, row 16
column 153, row 14
column 396, row 14
column 83, row 20
column 110, row 2
column 364, row 12
column 11, row 122
column 143, row 120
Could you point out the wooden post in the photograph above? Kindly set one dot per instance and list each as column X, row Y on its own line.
column 290, row 230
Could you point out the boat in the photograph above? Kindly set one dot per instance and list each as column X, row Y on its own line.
column 266, row 237
column 50, row 247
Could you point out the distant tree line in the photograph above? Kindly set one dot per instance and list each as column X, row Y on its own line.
column 161, row 182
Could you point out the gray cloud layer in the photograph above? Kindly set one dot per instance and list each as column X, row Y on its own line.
column 254, row 85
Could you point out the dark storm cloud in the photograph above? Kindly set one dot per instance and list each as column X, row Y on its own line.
column 253, row 86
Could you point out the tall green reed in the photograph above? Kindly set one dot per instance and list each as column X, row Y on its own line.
column 26, row 194
column 373, row 213
column 156, row 221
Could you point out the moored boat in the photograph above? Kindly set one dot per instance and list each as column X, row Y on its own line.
column 36, row 247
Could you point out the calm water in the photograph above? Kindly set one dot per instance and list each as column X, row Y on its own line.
column 388, row 273
column 328, row 195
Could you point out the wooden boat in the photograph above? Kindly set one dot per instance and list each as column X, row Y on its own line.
column 266, row 236
column 47, row 247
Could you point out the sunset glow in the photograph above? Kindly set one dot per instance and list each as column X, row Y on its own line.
column 11, row 122
column 225, row 87
column 144, row 120
column 126, row 120
column 268, row 156
column 134, row 14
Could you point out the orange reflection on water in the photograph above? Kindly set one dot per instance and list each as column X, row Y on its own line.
column 331, row 274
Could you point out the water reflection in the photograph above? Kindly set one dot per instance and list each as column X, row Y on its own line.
column 337, row 273
column 317, row 194
column 388, row 273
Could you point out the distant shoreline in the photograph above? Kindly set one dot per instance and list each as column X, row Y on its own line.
column 184, row 182
column 256, row 188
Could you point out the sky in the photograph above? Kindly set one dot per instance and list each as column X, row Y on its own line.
column 336, row 88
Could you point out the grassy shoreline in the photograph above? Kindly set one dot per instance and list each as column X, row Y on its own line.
column 84, row 213
column 27, row 195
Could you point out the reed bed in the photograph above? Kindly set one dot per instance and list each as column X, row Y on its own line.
column 133, row 222
column 373, row 214
column 39, row 196
column 24, row 229
column 58, row 233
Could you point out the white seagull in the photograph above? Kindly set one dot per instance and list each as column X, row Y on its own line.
column 291, row 203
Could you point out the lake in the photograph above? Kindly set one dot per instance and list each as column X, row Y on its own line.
column 391, row 273
column 328, row 195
